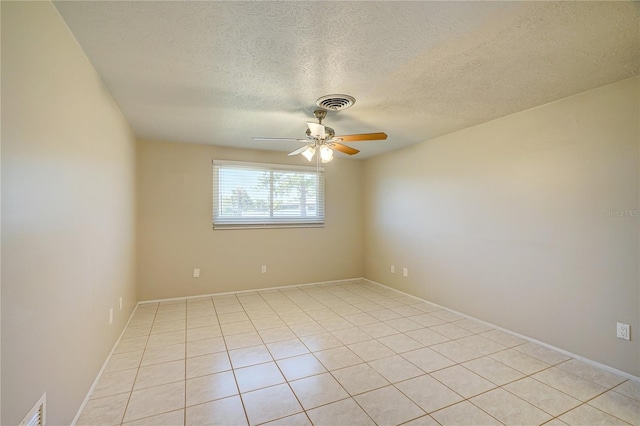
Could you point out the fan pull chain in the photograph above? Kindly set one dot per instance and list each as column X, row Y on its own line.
column 318, row 161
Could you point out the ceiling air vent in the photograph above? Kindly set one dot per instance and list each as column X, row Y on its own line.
column 336, row 102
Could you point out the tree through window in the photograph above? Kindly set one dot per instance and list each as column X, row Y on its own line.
column 256, row 194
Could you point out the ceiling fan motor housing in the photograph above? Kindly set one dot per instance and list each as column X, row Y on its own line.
column 320, row 114
column 329, row 132
column 321, row 137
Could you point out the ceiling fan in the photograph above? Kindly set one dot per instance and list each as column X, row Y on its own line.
column 322, row 139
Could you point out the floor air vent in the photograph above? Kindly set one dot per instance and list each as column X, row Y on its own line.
column 36, row 416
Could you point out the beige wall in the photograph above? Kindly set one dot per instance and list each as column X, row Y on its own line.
column 506, row 221
column 175, row 230
column 68, row 216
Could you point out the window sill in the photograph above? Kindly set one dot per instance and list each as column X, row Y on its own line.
column 268, row 226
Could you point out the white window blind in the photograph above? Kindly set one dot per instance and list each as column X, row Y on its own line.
column 266, row 195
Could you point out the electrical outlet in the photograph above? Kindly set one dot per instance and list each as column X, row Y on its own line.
column 110, row 316
column 196, row 272
column 393, row 269
column 263, row 269
column 120, row 302
column 623, row 331
column 405, row 272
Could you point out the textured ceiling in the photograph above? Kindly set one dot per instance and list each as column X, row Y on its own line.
column 222, row 72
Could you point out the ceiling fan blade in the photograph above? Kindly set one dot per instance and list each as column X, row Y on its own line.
column 362, row 137
column 317, row 130
column 280, row 139
column 299, row 150
column 343, row 148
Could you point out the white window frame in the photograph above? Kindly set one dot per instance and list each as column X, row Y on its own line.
column 221, row 221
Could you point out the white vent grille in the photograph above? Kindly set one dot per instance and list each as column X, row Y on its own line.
column 37, row 415
column 336, row 102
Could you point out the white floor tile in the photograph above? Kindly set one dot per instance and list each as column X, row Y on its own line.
column 509, row 409
column 155, row 400
column 359, row 378
column 346, row 353
column 258, row 376
column 542, row 396
column 463, row 381
column 104, row 411
column 464, row 414
column 395, row 368
column 618, row 405
column 228, row 411
column 569, row 383
column 428, row 360
column 492, row 370
column 208, row 388
column 336, row 358
column 586, row 415
column 344, row 412
column 300, row 366
column 249, row 356
column 114, row 383
column 173, row 418
column 270, row 404
column 388, row 406
column 160, row 374
column 318, row 390
column 428, row 393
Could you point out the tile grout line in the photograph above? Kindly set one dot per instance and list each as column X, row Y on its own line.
column 528, row 339
column 370, row 390
column 233, row 372
column 312, row 298
column 597, row 396
column 101, row 372
column 349, row 396
column 186, row 338
column 133, row 385
column 304, row 410
column 394, row 384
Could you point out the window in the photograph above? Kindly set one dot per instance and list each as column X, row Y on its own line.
column 266, row 195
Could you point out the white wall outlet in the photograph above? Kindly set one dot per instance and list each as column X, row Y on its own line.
column 120, row 302
column 393, row 269
column 623, row 331
column 263, row 269
column 196, row 272
column 110, row 316
column 405, row 272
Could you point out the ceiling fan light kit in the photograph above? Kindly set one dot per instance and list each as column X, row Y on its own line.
column 309, row 152
column 326, row 154
column 322, row 138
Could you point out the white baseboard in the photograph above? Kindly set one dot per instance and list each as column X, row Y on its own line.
column 513, row 333
column 246, row 291
column 562, row 351
column 95, row 382
column 104, row 365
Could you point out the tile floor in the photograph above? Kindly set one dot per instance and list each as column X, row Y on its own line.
column 347, row 353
